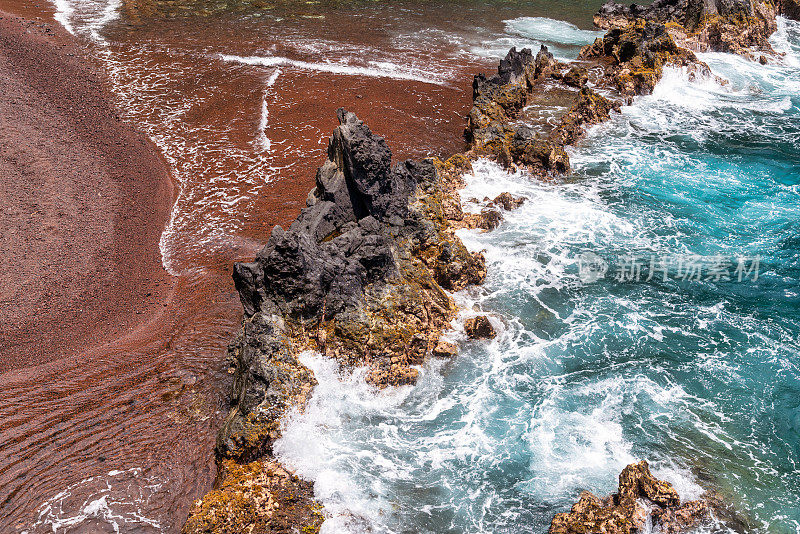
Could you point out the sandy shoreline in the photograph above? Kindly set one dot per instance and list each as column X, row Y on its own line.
column 83, row 201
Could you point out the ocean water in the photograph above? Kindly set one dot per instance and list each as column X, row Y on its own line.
column 696, row 374
column 699, row 377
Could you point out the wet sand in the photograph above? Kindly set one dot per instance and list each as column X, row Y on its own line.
column 83, row 201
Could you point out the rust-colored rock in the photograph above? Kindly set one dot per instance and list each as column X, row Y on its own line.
column 479, row 327
column 575, row 76
column 590, row 108
column 737, row 26
column 256, row 498
column 507, row 201
column 623, row 512
column 682, row 518
column 445, row 349
column 637, row 54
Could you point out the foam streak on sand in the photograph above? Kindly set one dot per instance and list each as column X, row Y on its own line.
column 87, row 17
column 383, row 70
column 262, row 141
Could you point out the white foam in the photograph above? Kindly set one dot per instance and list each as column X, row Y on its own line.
column 315, row 443
column 376, row 70
column 87, row 17
column 104, row 499
column 64, row 11
column 561, row 37
column 786, row 41
column 551, row 31
column 263, row 143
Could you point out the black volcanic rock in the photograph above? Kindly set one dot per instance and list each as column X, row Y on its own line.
column 736, row 26
column 358, row 275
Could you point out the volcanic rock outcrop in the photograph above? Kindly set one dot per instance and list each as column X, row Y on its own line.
column 626, row 62
column 640, row 496
column 738, row 26
column 362, row 274
column 359, row 276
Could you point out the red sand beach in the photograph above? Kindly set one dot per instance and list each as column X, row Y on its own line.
column 83, row 201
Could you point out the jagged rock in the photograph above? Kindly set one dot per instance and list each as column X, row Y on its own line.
column 623, row 512
column 737, row 26
column 789, row 9
column 268, row 380
column 445, row 349
column 507, row 201
column 682, row 518
column 359, row 275
column 542, row 155
column 575, row 76
column 490, row 218
column 591, row 108
column 391, row 373
column 546, row 64
column 457, row 268
column 513, row 67
column 639, row 52
column 260, row 496
column 479, row 327
column 636, row 481
column 499, row 99
column 453, row 170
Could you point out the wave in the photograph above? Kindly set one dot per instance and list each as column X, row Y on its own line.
column 87, row 17
column 583, row 379
column 374, row 69
column 562, row 38
column 551, row 31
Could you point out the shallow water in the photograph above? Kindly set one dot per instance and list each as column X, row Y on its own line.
column 698, row 377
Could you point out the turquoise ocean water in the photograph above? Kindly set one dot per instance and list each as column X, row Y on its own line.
column 698, row 376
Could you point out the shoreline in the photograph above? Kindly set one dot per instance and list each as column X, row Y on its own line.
column 86, row 198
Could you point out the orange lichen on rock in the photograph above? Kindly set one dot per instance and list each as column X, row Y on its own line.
column 640, row 495
column 260, row 497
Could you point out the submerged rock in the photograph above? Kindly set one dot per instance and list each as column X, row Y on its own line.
column 507, row 201
column 445, row 349
column 640, row 495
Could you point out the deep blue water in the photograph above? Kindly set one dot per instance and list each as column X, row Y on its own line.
column 698, row 376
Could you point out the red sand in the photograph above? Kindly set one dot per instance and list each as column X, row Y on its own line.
column 83, row 201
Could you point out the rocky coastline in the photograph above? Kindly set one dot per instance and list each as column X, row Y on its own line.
column 363, row 274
